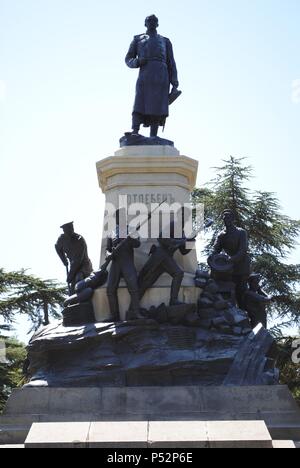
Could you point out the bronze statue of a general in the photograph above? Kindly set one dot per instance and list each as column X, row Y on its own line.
column 153, row 55
column 72, row 250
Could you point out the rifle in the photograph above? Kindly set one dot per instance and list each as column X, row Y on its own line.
column 152, row 269
column 99, row 278
column 69, row 285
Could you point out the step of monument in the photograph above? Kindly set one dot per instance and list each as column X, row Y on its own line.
column 285, row 432
column 20, row 446
column 283, row 444
column 150, row 434
column 13, row 435
column 14, row 428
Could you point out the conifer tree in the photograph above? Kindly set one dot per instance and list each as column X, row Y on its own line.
column 273, row 235
column 21, row 293
column 11, row 368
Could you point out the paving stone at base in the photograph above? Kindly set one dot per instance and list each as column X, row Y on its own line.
column 283, row 444
column 118, row 435
column 12, row 446
column 150, row 434
column 58, row 435
column 177, row 434
column 238, row 434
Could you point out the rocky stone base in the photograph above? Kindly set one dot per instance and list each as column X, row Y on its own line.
column 216, row 306
column 144, row 352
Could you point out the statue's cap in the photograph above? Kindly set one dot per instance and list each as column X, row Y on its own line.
column 154, row 17
column 67, row 225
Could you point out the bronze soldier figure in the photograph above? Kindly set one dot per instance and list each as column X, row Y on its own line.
column 256, row 301
column 153, row 55
column 234, row 242
column 72, row 250
column 123, row 267
column 161, row 261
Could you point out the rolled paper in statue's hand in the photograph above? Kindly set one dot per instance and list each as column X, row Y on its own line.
column 174, row 94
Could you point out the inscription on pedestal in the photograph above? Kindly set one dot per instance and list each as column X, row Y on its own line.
column 148, row 198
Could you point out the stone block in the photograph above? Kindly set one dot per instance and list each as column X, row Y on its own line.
column 155, row 296
column 21, row 446
column 177, row 434
column 238, row 434
column 283, row 444
column 79, row 314
column 58, row 435
column 119, row 434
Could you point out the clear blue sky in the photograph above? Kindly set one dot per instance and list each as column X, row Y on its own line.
column 66, row 97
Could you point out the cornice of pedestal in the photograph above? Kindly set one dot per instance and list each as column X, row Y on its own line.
column 149, row 161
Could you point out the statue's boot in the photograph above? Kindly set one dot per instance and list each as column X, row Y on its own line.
column 154, row 130
column 114, row 307
column 134, row 310
column 175, row 289
column 136, row 123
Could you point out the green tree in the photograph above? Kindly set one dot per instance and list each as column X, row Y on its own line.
column 11, row 368
column 273, row 235
column 21, row 293
column 289, row 371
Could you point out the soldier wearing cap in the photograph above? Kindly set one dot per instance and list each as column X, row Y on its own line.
column 234, row 242
column 153, row 55
column 72, row 250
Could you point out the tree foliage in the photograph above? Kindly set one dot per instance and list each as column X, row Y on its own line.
column 289, row 371
column 11, row 371
column 273, row 235
column 21, row 293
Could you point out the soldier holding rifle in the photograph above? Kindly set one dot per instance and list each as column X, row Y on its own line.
column 122, row 254
column 162, row 261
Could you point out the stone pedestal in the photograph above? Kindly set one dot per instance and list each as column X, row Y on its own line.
column 148, row 175
column 274, row 405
